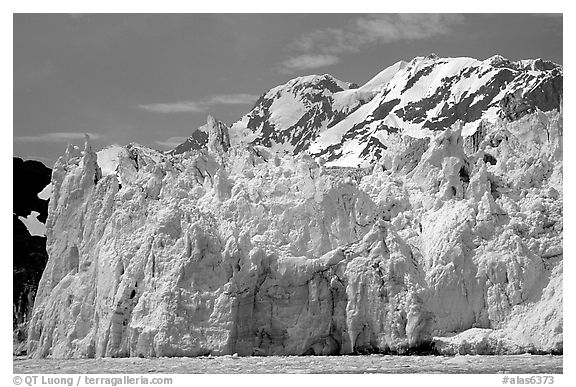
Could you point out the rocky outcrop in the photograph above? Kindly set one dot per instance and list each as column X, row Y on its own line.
column 544, row 96
column 29, row 251
column 239, row 249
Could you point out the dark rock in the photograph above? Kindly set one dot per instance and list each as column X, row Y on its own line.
column 545, row 97
column 30, row 178
column 29, row 252
column 196, row 141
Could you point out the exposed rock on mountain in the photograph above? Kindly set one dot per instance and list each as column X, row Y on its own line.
column 450, row 240
column 29, row 251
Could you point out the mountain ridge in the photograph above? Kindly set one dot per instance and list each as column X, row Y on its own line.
column 333, row 122
column 351, row 126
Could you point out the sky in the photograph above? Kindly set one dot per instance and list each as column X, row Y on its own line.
column 153, row 78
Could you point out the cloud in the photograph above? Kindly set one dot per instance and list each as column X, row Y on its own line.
column 201, row 105
column 57, row 137
column 172, row 142
column 321, row 47
column 231, row 99
column 304, row 62
column 176, row 107
column 377, row 29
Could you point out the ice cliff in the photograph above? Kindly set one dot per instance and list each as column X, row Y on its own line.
column 449, row 243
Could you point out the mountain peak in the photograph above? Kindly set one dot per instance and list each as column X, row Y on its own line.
column 200, row 137
column 497, row 61
column 313, row 82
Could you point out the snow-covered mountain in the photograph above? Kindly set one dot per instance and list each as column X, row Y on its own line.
column 351, row 126
column 290, row 116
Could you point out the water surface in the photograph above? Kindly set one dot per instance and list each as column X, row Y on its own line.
column 509, row 364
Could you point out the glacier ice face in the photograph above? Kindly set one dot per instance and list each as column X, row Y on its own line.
column 448, row 241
